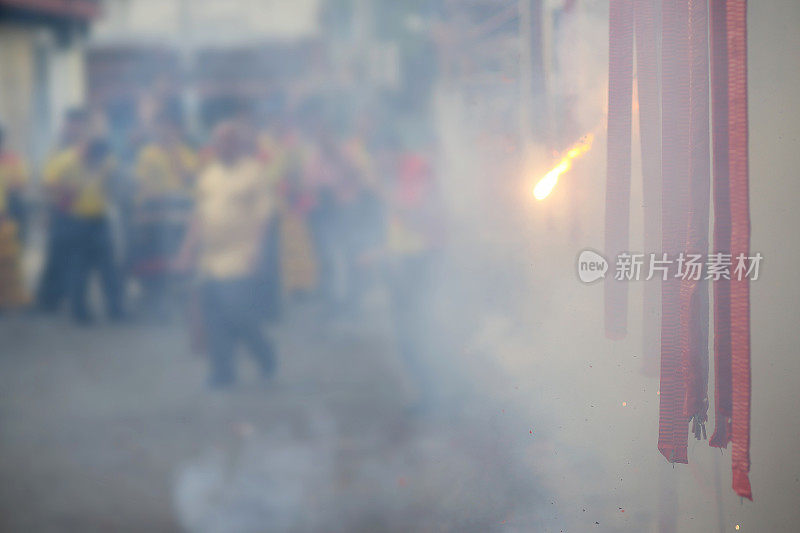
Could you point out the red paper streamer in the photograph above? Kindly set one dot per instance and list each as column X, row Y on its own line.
column 740, row 243
column 647, row 26
column 723, row 408
column 673, row 424
column 683, row 167
column 731, row 235
column 694, row 292
column 618, row 170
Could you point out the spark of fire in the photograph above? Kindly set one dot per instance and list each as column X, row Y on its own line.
column 546, row 185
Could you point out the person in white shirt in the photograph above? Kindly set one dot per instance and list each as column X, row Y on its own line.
column 234, row 205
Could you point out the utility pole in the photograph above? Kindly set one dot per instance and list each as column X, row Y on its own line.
column 188, row 60
column 525, row 77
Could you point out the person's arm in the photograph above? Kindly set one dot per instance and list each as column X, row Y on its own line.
column 187, row 255
column 265, row 213
column 56, row 178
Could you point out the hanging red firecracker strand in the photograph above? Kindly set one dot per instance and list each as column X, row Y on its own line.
column 673, row 425
column 618, row 162
column 647, row 61
column 723, row 409
column 736, row 18
column 694, row 289
column 679, row 157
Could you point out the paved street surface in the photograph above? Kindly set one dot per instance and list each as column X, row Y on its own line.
column 541, row 424
column 539, row 427
column 111, row 428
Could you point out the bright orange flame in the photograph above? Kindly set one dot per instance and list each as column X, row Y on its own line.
column 549, row 181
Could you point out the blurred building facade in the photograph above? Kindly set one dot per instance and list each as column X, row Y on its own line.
column 41, row 67
column 218, row 54
column 210, row 55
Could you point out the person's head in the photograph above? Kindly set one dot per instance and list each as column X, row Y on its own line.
column 97, row 153
column 77, row 126
column 230, row 142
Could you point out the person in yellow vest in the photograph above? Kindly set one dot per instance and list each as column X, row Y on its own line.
column 414, row 239
column 54, row 278
column 286, row 162
column 13, row 182
column 12, row 178
column 12, row 288
column 86, row 178
column 167, row 166
column 165, row 176
column 362, row 216
column 233, row 211
column 322, row 179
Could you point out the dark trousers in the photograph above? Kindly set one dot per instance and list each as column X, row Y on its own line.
column 156, row 242
column 267, row 277
column 92, row 250
column 54, row 280
column 232, row 314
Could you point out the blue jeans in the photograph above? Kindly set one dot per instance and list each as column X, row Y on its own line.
column 54, row 281
column 93, row 249
column 232, row 314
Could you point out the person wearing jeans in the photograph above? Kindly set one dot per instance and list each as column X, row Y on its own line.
column 59, row 178
column 92, row 246
column 415, row 233
column 235, row 203
column 231, row 317
column 94, row 250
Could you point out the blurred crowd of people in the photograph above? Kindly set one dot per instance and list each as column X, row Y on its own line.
column 233, row 230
